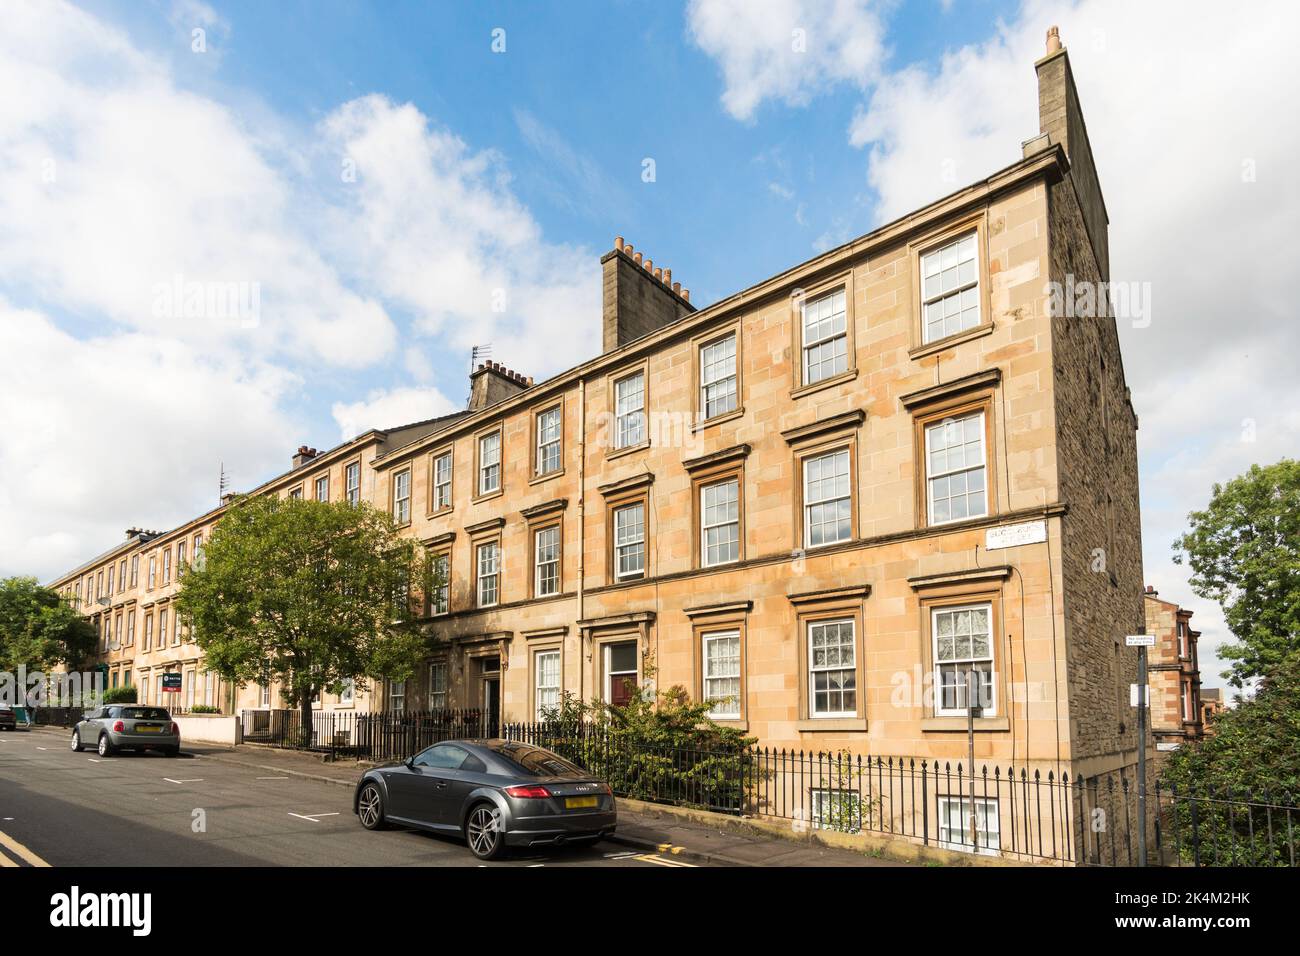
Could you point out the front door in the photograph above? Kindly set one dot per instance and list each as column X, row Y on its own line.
column 620, row 672
column 492, row 704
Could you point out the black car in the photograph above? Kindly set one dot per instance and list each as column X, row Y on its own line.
column 494, row 793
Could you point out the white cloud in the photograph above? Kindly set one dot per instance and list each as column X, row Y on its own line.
column 787, row 50
column 1180, row 100
column 122, row 184
column 119, row 430
column 436, row 230
column 388, row 409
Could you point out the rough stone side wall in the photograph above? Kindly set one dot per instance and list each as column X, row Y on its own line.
column 1097, row 461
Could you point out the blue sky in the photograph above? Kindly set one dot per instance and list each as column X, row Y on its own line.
column 777, row 129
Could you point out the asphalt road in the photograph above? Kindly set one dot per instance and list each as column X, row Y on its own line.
column 74, row 809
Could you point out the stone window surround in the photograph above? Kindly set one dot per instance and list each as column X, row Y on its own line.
column 728, row 464
column 714, row 619
column 698, row 344
column 819, row 438
column 955, row 588
column 976, row 222
column 612, row 379
column 551, row 642
column 430, row 510
column 929, row 406
column 621, row 494
column 539, row 518
column 487, row 532
column 440, row 545
column 409, row 471
column 842, row 280
column 479, row 495
column 846, row 603
column 536, row 477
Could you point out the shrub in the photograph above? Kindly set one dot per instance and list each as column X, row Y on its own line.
column 659, row 746
column 204, row 709
column 126, row 694
column 1253, row 757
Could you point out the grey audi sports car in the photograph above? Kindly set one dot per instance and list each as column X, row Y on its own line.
column 494, row 793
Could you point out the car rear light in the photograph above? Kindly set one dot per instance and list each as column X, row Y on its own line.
column 605, row 787
column 529, row 792
column 176, row 731
column 118, row 727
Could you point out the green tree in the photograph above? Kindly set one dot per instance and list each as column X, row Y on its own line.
column 1244, row 552
column 39, row 628
column 1251, row 760
column 306, row 593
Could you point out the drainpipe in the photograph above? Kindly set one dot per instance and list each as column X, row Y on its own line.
column 582, row 528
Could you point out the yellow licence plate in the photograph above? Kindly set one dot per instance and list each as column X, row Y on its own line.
column 574, row 803
column 148, row 730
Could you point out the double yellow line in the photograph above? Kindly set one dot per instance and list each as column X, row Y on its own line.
column 18, row 850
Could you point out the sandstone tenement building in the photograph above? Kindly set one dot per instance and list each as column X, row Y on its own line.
column 1173, row 674
column 825, row 502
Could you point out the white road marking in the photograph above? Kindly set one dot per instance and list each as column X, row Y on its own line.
column 533, row 866
column 42, row 748
column 186, row 780
column 620, row 856
column 92, row 760
column 272, row 778
column 647, row 858
column 312, row 816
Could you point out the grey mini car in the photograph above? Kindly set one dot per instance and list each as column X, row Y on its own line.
column 115, row 727
column 494, row 793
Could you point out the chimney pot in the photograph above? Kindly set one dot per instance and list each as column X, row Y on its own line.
column 668, row 277
column 1053, row 40
column 649, row 265
column 659, row 274
column 637, row 258
column 686, row 294
column 677, row 287
column 627, row 247
column 618, row 242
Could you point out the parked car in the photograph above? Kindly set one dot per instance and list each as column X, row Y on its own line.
column 115, row 727
column 494, row 793
column 8, row 719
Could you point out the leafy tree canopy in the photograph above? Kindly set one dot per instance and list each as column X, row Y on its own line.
column 308, row 594
column 1244, row 552
column 39, row 629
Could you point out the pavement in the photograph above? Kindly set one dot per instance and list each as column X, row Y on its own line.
column 257, row 806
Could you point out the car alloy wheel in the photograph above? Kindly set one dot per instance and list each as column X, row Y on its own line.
column 105, row 748
column 76, row 741
column 370, row 807
column 483, row 831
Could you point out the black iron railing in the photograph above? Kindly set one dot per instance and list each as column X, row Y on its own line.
column 1028, row 814
column 366, row 736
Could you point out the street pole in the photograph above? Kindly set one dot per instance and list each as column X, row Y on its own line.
column 971, row 706
column 1142, row 755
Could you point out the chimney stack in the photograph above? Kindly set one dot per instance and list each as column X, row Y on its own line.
column 1060, row 118
column 638, row 297
column 303, row 456
column 492, row 382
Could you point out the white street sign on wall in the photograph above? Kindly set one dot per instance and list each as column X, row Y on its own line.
column 1014, row 535
column 1133, row 695
column 1140, row 640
